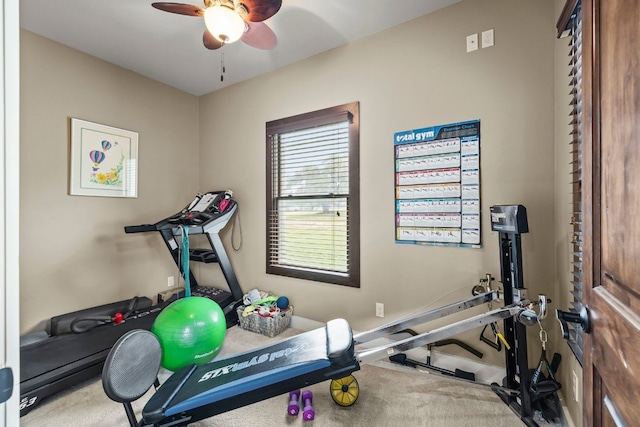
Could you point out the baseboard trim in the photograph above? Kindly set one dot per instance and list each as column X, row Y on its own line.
column 305, row 324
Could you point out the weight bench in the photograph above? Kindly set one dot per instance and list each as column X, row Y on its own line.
column 197, row 392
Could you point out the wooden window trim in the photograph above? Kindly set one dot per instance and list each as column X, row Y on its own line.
column 303, row 121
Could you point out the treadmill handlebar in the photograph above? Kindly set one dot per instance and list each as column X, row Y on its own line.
column 196, row 222
column 139, row 228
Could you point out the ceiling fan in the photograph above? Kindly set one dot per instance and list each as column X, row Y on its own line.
column 230, row 20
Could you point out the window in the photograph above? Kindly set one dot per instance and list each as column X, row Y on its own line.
column 570, row 24
column 313, row 202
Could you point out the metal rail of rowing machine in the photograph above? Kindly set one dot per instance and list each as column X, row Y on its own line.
column 517, row 311
column 423, row 317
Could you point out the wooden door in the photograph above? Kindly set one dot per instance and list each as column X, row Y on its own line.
column 611, row 188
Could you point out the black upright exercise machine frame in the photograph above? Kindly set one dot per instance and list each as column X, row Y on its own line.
column 210, row 222
column 510, row 222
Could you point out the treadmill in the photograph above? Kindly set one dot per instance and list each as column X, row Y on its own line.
column 56, row 359
column 207, row 214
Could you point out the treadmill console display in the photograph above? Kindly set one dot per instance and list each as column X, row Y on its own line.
column 204, row 208
column 202, row 202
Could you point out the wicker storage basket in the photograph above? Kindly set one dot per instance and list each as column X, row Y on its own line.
column 269, row 326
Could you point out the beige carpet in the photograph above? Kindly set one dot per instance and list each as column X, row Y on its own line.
column 390, row 395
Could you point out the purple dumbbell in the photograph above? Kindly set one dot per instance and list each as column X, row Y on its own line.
column 308, row 413
column 294, row 406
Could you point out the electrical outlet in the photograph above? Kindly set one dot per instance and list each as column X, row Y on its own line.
column 170, row 281
column 576, row 389
column 379, row 309
column 487, row 38
column 472, row 42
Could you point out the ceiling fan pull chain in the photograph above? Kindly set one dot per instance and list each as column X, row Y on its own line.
column 222, row 71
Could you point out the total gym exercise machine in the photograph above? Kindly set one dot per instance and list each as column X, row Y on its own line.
column 329, row 353
column 197, row 392
column 207, row 214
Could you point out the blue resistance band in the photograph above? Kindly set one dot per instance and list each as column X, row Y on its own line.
column 185, row 261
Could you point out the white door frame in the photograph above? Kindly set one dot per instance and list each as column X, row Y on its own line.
column 10, row 203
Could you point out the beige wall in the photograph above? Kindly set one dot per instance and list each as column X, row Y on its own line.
column 412, row 76
column 75, row 254
column 73, row 250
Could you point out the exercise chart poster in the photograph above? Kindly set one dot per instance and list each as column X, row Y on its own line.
column 437, row 173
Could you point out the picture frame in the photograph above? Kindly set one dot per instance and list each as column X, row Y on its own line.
column 103, row 160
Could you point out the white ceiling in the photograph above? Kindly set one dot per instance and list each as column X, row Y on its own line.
column 168, row 47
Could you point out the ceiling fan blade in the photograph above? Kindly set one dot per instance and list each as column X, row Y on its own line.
column 179, row 8
column 260, row 36
column 210, row 42
column 259, row 10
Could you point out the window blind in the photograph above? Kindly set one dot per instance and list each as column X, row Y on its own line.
column 574, row 27
column 310, row 212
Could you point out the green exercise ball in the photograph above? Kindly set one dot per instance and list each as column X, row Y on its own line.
column 191, row 331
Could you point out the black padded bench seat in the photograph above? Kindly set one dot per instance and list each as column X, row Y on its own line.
column 197, row 392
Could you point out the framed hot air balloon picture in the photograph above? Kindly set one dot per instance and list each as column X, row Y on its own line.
column 104, row 160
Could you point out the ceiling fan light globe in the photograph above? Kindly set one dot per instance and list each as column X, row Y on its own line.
column 224, row 23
